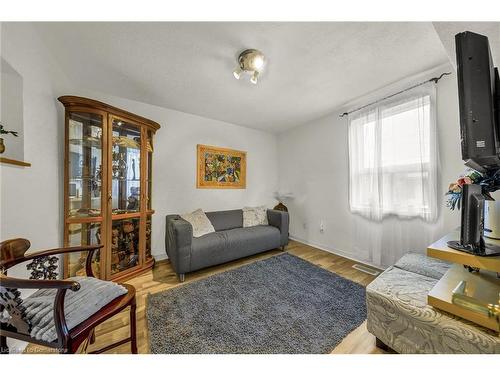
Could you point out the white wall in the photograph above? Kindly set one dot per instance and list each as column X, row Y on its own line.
column 174, row 163
column 31, row 198
column 313, row 164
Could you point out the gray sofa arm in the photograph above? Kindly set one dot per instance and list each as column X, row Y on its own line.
column 178, row 237
column 280, row 220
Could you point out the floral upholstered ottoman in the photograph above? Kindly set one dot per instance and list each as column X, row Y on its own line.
column 398, row 314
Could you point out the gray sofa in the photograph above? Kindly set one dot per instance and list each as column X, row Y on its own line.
column 230, row 240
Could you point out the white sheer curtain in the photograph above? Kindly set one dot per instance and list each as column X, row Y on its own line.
column 393, row 157
column 393, row 175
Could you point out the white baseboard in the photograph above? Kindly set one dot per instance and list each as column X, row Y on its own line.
column 160, row 256
column 336, row 252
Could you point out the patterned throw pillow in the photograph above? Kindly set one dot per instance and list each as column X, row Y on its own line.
column 200, row 222
column 253, row 216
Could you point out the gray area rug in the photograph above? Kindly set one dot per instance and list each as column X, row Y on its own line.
column 282, row 304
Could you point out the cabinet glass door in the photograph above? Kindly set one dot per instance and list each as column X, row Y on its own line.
column 124, row 244
column 148, row 238
column 83, row 234
column 125, row 168
column 85, row 165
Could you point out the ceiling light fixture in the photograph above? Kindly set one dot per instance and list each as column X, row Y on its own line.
column 250, row 61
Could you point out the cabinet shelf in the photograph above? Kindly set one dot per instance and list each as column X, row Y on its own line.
column 102, row 208
column 125, row 215
column 88, row 142
column 125, row 179
column 84, row 178
column 73, row 215
column 83, row 219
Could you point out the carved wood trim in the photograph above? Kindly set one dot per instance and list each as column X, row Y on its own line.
column 43, row 268
column 78, row 101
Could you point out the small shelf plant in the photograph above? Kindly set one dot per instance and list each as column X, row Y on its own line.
column 2, row 132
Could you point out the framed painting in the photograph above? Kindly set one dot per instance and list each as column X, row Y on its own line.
column 220, row 168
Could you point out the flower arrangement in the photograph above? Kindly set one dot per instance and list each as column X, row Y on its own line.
column 489, row 181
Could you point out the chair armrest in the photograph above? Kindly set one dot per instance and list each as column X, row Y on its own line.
column 178, row 239
column 280, row 220
column 11, row 282
column 64, row 250
column 18, row 258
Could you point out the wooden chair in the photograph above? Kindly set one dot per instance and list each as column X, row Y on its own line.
column 44, row 265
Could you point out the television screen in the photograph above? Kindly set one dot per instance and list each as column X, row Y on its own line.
column 478, row 100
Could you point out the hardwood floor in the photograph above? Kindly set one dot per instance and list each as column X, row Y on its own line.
column 162, row 277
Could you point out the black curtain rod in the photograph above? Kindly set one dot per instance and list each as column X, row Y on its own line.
column 435, row 80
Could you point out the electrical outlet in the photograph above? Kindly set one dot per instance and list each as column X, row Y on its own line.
column 304, row 225
column 321, row 226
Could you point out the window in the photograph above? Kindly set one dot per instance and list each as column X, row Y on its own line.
column 392, row 157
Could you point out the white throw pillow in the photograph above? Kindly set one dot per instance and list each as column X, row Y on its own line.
column 253, row 216
column 200, row 222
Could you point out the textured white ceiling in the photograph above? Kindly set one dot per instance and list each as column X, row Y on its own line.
column 312, row 69
column 447, row 31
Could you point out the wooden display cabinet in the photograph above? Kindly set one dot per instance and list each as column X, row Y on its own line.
column 107, row 187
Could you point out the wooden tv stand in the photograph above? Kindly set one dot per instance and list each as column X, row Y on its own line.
column 440, row 250
column 483, row 287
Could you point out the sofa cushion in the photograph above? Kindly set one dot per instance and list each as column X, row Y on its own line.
column 93, row 295
column 224, row 220
column 208, row 250
column 199, row 221
column 224, row 246
column 423, row 265
column 253, row 239
column 253, row 216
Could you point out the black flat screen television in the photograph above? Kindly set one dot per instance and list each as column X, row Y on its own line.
column 479, row 100
column 478, row 93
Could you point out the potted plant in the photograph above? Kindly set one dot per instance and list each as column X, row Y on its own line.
column 2, row 132
column 489, row 181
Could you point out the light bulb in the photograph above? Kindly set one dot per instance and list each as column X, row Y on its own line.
column 258, row 63
column 237, row 73
column 255, row 77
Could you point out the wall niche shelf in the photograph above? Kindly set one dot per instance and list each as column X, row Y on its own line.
column 107, row 188
column 17, row 163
